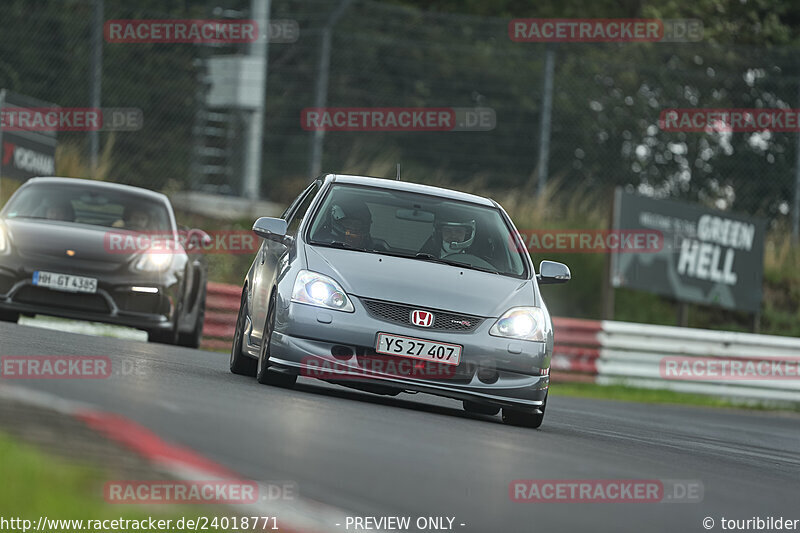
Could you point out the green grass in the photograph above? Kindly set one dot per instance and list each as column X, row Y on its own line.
column 37, row 484
column 640, row 395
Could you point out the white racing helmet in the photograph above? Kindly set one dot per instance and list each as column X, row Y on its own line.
column 447, row 229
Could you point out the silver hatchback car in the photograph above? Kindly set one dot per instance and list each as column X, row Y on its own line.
column 387, row 287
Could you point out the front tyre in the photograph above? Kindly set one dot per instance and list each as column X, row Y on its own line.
column 164, row 336
column 263, row 374
column 195, row 337
column 240, row 363
column 526, row 419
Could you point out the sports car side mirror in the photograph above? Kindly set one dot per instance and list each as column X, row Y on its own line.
column 552, row 272
column 197, row 239
column 271, row 228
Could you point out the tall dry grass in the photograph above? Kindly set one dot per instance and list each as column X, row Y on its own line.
column 72, row 162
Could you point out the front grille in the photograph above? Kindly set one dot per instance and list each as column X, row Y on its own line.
column 64, row 300
column 401, row 314
column 135, row 302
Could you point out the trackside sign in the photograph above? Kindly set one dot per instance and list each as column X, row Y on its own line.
column 25, row 154
column 709, row 257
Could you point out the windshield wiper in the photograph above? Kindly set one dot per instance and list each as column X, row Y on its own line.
column 340, row 244
column 428, row 257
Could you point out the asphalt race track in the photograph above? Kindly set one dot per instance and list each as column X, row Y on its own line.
column 423, row 456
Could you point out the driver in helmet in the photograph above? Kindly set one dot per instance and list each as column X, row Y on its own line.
column 450, row 236
column 349, row 221
column 60, row 210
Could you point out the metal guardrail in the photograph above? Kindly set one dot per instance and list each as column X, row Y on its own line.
column 576, row 350
column 634, row 354
column 222, row 306
column 611, row 353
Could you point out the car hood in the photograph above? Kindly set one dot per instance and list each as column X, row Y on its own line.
column 42, row 238
column 422, row 283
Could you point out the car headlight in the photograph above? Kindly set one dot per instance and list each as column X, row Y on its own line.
column 526, row 323
column 153, row 262
column 3, row 239
column 313, row 288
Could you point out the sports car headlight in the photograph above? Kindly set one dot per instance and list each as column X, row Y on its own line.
column 3, row 239
column 526, row 323
column 317, row 289
column 153, row 262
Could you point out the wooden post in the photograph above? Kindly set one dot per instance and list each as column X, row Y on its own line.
column 757, row 321
column 683, row 314
column 607, row 291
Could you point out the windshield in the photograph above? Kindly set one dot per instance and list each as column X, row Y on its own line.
column 417, row 226
column 94, row 206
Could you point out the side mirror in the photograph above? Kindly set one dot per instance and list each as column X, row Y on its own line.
column 551, row 272
column 197, row 239
column 271, row 228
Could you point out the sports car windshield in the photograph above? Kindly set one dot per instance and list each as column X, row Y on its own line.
column 93, row 206
column 417, row 226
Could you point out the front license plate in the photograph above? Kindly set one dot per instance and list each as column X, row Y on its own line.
column 436, row 352
column 65, row 282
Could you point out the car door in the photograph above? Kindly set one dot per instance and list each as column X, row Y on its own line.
column 269, row 255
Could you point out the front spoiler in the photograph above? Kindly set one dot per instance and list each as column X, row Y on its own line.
column 517, row 391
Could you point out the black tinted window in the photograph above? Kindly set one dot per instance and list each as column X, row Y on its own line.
column 94, row 206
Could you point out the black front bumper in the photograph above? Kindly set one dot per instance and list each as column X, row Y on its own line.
column 113, row 303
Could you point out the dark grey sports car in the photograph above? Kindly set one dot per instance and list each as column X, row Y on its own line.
column 387, row 286
column 82, row 249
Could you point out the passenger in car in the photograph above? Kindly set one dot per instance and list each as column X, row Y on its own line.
column 60, row 210
column 134, row 218
column 451, row 235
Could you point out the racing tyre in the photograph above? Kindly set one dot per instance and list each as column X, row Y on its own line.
column 195, row 337
column 240, row 363
column 480, row 409
column 263, row 374
column 169, row 336
column 8, row 316
column 526, row 419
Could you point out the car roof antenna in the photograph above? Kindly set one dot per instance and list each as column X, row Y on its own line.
column 398, row 172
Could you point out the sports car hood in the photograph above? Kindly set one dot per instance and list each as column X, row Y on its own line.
column 41, row 238
column 422, row 283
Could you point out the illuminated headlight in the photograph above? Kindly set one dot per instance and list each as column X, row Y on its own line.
column 3, row 238
column 153, row 262
column 526, row 323
column 317, row 289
